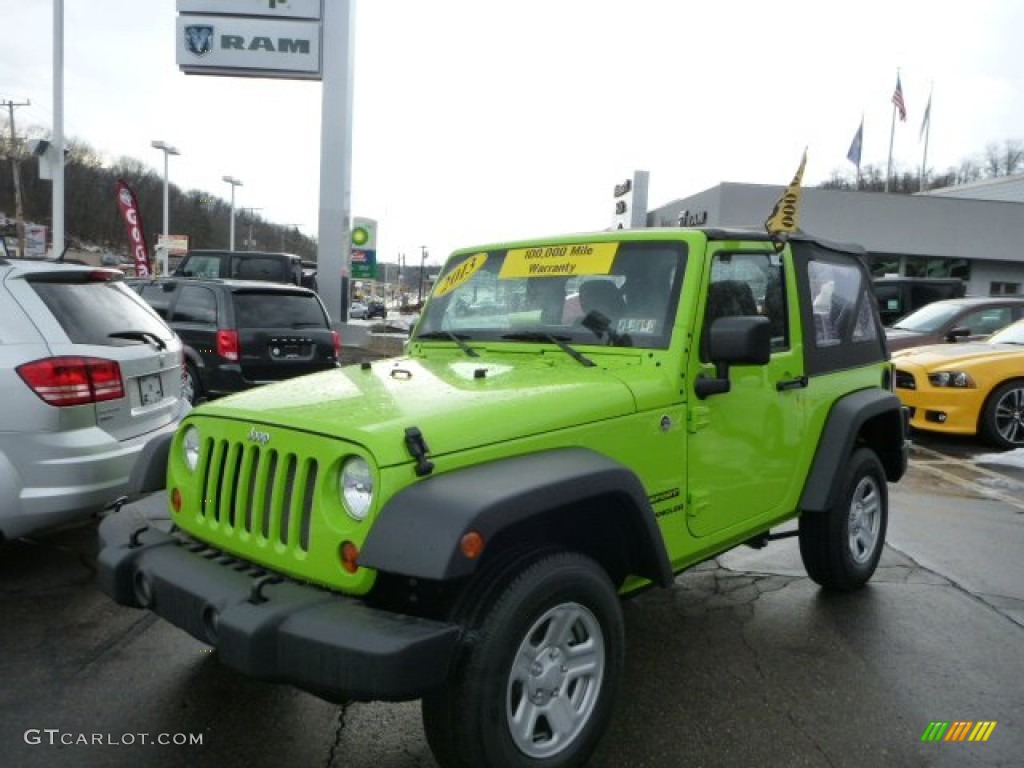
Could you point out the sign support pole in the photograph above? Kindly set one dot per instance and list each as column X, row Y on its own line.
column 334, row 226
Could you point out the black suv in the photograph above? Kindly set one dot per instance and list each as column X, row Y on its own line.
column 249, row 265
column 239, row 334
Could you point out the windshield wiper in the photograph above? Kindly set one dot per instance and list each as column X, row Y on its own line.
column 456, row 337
column 559, row 341
column 140, row 336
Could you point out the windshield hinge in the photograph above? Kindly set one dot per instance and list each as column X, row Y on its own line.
column 697, row 417
column 418, row 449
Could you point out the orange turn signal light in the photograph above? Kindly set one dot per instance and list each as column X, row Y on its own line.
column 471, row 545
column 349, row 556
column 176, row 499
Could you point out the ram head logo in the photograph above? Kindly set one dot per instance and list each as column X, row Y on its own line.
column 199, row 39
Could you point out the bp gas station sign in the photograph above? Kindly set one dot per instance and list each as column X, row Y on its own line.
column 364, row 248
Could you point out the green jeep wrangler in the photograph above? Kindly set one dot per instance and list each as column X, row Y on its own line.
column 575, row 419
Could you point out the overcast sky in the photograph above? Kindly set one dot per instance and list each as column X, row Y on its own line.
column 480, row 120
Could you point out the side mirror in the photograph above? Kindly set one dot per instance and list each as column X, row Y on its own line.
column 959, row 332
column 740, row 340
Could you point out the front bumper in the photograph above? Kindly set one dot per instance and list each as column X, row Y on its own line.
column 950, row 410
column 331, row 645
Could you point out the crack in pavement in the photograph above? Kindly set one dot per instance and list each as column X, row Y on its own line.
column 144, row 622
column 339, row 732
column 956, row 585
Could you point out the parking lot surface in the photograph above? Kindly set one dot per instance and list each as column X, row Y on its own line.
column 743, row 662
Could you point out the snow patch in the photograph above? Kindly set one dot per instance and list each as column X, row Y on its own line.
column 1014, row 458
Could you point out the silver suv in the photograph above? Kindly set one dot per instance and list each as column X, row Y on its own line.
column 88, row 375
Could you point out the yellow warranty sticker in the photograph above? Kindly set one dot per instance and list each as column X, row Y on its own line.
column 460, row 274
column 560, row 260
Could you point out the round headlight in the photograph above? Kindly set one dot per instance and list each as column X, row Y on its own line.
column 190, row 447
column 356, row 487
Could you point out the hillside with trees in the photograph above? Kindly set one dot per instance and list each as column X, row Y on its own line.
column 92, row 217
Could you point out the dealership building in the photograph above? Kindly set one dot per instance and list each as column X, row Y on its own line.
column 973, row 231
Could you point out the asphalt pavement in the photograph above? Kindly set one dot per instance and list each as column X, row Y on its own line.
column 744, row 662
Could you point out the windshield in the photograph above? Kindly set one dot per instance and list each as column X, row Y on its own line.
column 928, row 319
column 1012, row 334
column 621, row 293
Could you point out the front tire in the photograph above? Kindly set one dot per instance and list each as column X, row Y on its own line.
column 538, row 673
column 1002, row 419
column 841, row 547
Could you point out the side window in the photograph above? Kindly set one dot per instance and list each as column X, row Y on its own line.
column 202, row 266
column 986, row 321
column 749, row 284
column 197, row 304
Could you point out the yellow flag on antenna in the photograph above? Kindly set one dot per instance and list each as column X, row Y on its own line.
column 786, row 214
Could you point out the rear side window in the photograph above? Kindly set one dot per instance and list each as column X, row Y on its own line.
column 279, row 310
column 158, row 296
column 197, row 304
column 839, row 309
column 90, row 312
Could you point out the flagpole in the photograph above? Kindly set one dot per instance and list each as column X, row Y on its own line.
column 892, row 132
column 859, row 154
column 927, row 133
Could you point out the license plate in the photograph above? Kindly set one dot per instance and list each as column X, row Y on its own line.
column 151, row 390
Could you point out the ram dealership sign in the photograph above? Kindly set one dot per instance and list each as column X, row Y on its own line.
column 630, row 198
column 258, row 38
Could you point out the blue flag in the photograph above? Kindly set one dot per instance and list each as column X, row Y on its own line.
column 853, row 155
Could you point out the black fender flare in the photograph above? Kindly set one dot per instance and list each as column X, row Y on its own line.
column 192, row 356
column 875, row 416
column 418, row 531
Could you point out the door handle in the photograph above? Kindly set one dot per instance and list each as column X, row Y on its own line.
column 800, row 382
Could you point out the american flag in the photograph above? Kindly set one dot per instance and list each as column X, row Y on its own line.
column 897, row 100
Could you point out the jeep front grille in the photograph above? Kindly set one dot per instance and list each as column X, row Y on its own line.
column 905, row 380
column 258, row 490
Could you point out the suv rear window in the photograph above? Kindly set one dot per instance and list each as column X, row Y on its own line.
column 90, row 312
column 279, row 310
column 257, row 268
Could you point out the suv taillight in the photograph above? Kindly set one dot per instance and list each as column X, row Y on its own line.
column 227, row 344
column 337, row 344
column 73, row 380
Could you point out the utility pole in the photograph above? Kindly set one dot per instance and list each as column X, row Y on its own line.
column 251, row 217
column 285, row 228
column 19, row 213
column 423, row 269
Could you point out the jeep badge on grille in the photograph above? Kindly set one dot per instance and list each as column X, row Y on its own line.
column 259, row 437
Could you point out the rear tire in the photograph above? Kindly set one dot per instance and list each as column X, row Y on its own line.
column 841, row 547
column 537, row 675
column 191, row 387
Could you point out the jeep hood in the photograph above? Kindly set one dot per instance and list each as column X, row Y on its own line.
column 956, row 354
column 457, row 404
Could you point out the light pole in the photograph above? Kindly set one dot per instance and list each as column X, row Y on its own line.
column 234, row 183
column 168, row 150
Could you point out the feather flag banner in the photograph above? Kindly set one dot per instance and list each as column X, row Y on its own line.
column 785, row 217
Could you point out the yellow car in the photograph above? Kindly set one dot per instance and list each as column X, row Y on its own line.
column 967, row 389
